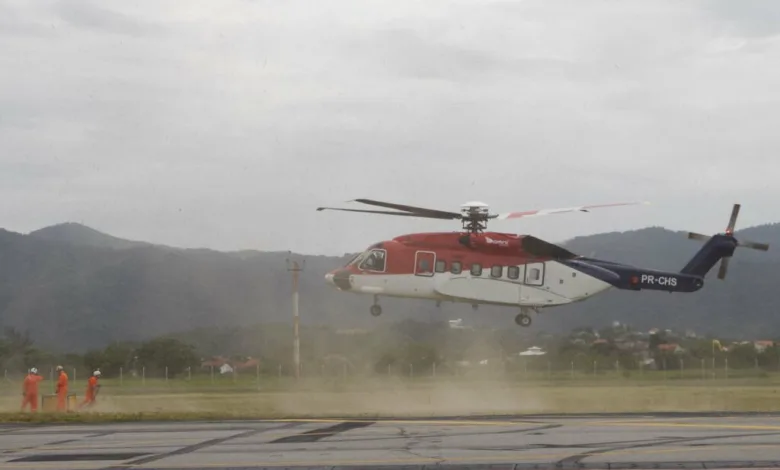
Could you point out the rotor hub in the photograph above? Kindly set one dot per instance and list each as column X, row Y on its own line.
column 474, row 215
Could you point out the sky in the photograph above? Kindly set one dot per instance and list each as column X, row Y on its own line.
column 225, row 124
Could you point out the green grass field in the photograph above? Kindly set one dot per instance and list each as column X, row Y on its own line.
column 274, row 397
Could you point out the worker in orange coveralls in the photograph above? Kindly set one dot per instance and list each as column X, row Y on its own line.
column 62, row 389
column 30, row 390
column 92, row 390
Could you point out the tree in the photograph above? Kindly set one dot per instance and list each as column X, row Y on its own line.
column 742, row 356
column 109, row 360
column 161, row 353
column 420, row 356
column 5, row 351
column 18, row 342
column 19, row 351
column 656, row 339
column 94, row 359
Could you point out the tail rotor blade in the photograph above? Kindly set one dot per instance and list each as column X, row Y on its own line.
column 754, row 245
column 733, row 219
column 724, row 267
column 698, row 236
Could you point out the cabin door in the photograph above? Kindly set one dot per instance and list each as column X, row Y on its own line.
column 534, row 274
column 532, row 278
column 424, row 262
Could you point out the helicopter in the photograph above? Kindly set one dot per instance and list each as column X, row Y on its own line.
column 520, row 271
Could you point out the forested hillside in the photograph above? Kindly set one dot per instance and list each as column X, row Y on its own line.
column 75, row 288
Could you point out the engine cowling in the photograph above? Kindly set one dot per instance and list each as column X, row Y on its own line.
column 496, row 242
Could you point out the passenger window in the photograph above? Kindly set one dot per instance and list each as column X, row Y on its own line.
column 441, row 266
column 496, row 271
column 424, row 268
column 513, row 272
column 456, row 268
column 375, row 261
column 476, row 269
column 533, row 274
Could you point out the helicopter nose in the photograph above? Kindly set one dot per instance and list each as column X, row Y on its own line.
column 340, row 279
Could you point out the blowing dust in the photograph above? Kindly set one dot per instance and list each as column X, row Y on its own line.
column 395, row 399
column 450, row 399
column 383, row 398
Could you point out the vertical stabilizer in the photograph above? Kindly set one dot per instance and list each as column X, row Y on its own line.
column 719, row 247
column 716, row 248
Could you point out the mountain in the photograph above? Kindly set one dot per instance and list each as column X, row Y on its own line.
column 77, row 234
column 76, row 288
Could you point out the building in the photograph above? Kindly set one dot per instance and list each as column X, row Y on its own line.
column 533, row 351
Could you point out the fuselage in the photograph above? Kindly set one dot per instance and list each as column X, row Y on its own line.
column 489, row 268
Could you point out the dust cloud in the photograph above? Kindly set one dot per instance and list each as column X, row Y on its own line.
column 445, row 399
column 318, row 398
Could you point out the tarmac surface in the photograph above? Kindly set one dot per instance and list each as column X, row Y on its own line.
column 523, row 442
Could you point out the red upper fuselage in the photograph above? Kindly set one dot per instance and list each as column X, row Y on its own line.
column 486, row 249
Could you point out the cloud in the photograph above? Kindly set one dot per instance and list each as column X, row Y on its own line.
column 755, row 19
column 88, row 15
column 225, row 124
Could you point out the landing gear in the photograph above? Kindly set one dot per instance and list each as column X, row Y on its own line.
column 523, row 319
column 376, row 309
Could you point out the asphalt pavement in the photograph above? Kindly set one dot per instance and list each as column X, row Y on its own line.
column 508, row 442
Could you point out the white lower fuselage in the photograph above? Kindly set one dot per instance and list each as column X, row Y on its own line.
column 538, row 285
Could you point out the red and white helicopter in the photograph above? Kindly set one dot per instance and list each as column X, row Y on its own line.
column 479, row 267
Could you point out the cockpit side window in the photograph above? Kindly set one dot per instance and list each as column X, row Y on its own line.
column 375, row 260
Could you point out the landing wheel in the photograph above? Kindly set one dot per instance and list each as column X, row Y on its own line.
column 523, row 320
column 376, row 310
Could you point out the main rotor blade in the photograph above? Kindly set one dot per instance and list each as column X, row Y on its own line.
column 405, row 214
column 538, row 212
column 419, row 210
column 733, row 219
column 754, row 245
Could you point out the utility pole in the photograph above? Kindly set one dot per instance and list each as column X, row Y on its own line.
column 295, row 268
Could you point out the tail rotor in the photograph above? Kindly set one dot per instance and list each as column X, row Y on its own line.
column 729, row 234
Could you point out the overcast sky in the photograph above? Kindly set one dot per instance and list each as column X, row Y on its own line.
column 224, row 124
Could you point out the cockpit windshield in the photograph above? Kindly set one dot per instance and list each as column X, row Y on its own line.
column 356, row 259
column 372, row 260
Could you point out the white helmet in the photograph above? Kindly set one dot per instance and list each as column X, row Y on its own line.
column 33, row 370
column 59, row 368
column 96, row 373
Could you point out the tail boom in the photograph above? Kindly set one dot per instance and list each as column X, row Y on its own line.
column 626, row 277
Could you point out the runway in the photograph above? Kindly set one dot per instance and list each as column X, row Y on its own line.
column 520, row 442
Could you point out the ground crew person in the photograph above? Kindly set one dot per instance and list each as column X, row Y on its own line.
column 62, row 389
column 92, row 390
column 30, row 390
